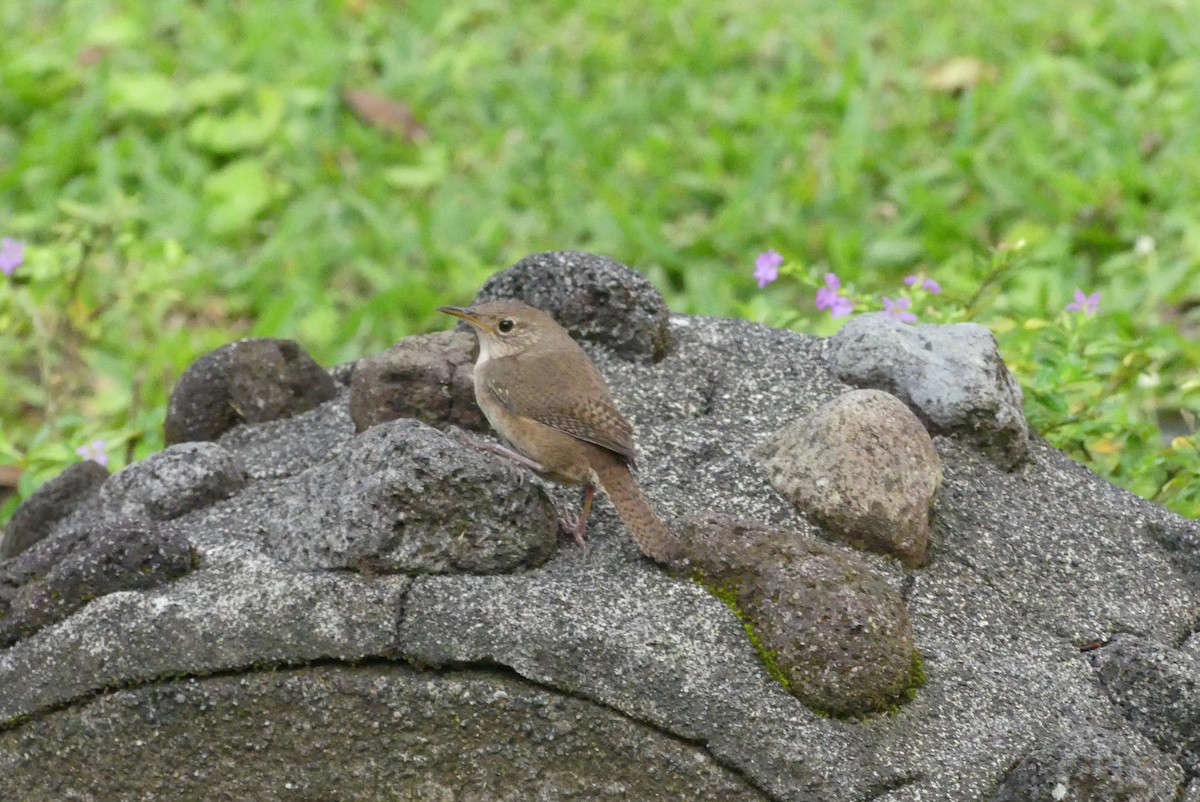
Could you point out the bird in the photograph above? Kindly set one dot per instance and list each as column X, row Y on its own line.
column 541, row 392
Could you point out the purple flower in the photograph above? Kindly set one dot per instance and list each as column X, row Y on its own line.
column 766, row 267
column 93, row 451
column 1087, row 304
column 899, row 309
column 12, row 254
column 842, row 307
column 927, row 284
column 829, row 298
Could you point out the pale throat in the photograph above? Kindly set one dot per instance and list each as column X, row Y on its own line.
column 485, row 351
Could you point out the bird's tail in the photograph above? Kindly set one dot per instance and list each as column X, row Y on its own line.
column 648, row 530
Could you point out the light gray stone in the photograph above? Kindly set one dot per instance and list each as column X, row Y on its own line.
column 951, row 375
column 864, row 468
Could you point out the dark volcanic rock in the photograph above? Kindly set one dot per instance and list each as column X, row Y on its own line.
column 952, row 376
column 836, row 632
column 595, row 298
column 864, row 468
column 49, row 504
column 250, row 380
column 427, row 377
column 116, row 556
column 1094, row 765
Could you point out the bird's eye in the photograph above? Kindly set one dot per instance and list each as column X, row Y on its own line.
column 505, row 326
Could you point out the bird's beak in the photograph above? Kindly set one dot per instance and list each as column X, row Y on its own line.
column 464, row 313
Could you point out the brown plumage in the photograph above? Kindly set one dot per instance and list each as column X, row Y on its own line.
column 542, row 393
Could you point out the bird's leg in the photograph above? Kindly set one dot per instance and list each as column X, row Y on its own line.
column 501, row 450
column 576, row 526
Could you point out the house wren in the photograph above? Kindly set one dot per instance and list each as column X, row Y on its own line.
column 542, row 393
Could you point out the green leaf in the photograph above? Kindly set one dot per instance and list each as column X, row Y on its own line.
column 214, row 88
column 241, row 130
column 114, row 31
column 145, row 94
column 236, row 194
column 430, row 172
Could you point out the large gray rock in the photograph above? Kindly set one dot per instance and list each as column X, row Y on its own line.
column 952, row 376
column 371, row 732
column 403, row 497
column 290, row 646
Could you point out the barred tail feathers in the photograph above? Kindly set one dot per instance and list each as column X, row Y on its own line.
column 647, row 529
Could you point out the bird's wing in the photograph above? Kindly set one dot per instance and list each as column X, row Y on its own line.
column 585, row 410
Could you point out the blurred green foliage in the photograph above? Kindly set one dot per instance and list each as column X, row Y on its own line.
column 188, row 173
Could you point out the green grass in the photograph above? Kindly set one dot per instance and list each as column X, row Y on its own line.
column 187, row 173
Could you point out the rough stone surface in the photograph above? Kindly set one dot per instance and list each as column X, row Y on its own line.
column 616, row 634
column 595, row 298
column 951, row 376
column 1025, row 567
column 174, row 481
column 217, row 619
column 250, row 380
column 277, row 449
column 117, row 556
column 1096, row 766
column 397, row 734
column 401, row 497
column 56, row 499
column 1158, row 688
column 834, row 629
column 427, row 377
column 1077, row 556
column 864, row 468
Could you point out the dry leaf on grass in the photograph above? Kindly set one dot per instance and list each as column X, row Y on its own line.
column 957, row 74
column 388, row 115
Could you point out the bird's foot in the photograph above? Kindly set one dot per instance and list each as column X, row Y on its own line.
column 571, row 525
